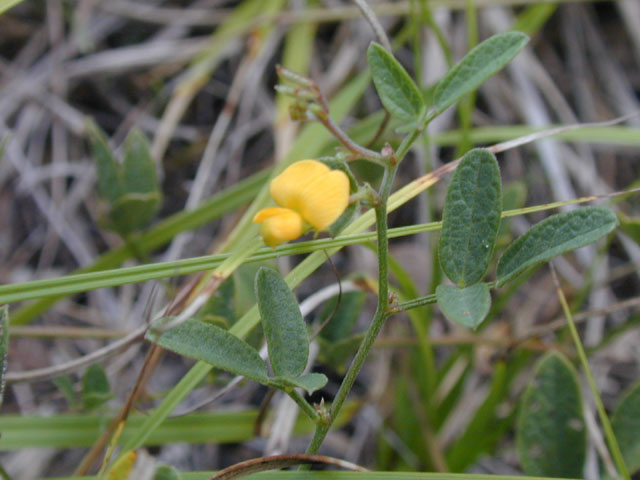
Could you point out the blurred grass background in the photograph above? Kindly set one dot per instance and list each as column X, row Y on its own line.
column 197, row 78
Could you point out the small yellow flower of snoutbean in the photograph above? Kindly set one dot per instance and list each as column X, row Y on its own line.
column 307, row 192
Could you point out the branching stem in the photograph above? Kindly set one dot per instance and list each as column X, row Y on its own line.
column 382, row 310
column 311, row 412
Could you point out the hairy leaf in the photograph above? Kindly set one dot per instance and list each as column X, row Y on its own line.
column 478, row 65
column 398, row 93
column 553, row 236
column 551, row 428
column 213, row 345
column 309, row 382
column 471, row 218
column 626, row 426
column 283, row 325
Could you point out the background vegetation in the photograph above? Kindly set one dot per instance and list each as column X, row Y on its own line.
column 197, row 80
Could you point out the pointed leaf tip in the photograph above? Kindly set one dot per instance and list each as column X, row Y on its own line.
column 397, row 91
column 478, row 65
column 554, row 236
column 213, row 345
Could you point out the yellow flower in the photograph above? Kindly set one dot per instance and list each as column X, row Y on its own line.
column 307, row 192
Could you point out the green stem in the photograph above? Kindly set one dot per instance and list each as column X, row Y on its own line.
column 378, row 320
column 382, row 310
column 416, row 302
column 311, row 412
column 604, row 419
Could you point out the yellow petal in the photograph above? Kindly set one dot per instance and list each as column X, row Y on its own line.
column 287, row 187
column 265, row 213
column 279, row 225
column 325, row 199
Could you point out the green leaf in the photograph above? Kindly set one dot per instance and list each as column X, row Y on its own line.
column 468, row 306
column 213, row 345
column 134, row 211
column 309, row 382
column 109, row 171
column 283, row 325
column 166, row 472
column 4, row 346
column 626, row 427
column 471, row 218
column 139, row 170
column 396, row 90
column 478, row 65
column 95, row 388
column 553, row 236
column 131, row 189
column 65, row 385
column 551, row 436
column 142, row 196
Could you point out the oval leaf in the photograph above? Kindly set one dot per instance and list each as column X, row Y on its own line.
column 166, row 472
column 480, row 63
column 551, row 429
column 139, row 169
column 109, row 171
column 626, row 426
column 213, row 345
column 399, row 95
column 283, row 325
column 468, row 306
column 309, row 382
column 95, row 388
column 471, row 218
column 553, row 236
column 134, row 211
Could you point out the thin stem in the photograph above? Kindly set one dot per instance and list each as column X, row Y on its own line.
column 371, row 17
column 416, row 303
column 382, row 309
column 604, row 419
column 311, row 412
column 353, row 147
column 382, row 312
